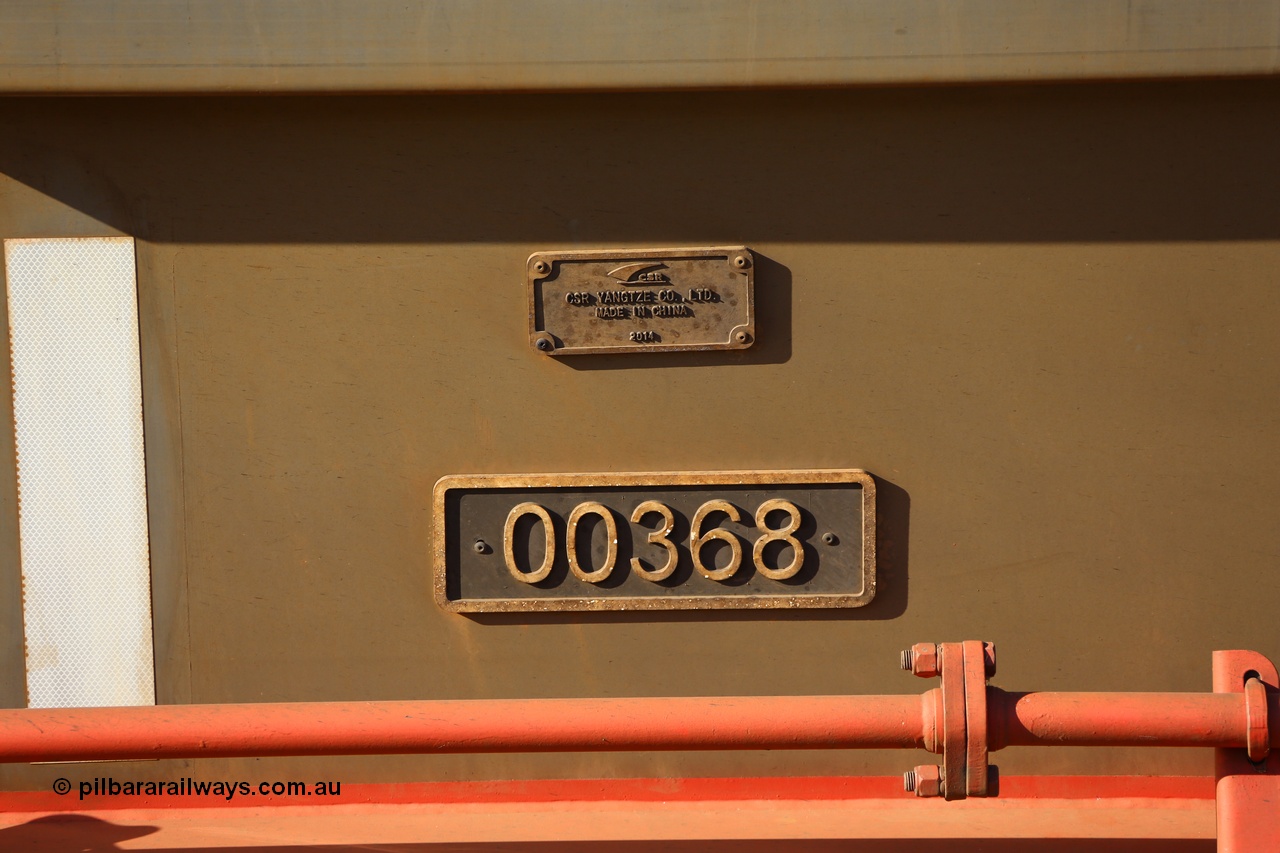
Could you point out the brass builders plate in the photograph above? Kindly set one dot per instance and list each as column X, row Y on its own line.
column 641, row 300
column 716, row 540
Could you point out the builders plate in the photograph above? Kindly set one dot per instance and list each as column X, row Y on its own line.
column 716, row 540
column 641, row 300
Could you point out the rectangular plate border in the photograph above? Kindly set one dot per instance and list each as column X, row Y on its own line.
column 691, row 602
column 627, row 254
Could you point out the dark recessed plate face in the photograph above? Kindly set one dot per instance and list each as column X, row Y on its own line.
column 641, row 300
column 684, row 541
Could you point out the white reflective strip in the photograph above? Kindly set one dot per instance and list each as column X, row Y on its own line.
column 82, row 502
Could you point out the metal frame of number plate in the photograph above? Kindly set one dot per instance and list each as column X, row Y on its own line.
column 708, row 479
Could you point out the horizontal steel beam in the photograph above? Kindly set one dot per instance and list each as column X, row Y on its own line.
column 963, row 719
column 251, row 46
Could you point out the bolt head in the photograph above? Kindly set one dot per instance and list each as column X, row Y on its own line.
column 481, row 547
column 830, row 538
column 742, row 338
column 541, row 266
column 544, row 344
column 741, row 262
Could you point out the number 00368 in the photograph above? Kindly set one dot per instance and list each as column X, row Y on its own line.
column 655, row 541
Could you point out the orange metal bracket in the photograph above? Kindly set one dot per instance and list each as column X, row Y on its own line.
column 1248, row 787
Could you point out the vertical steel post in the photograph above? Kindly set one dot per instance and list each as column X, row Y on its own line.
column 1248, row 780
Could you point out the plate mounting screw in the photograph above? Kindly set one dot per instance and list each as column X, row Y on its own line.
column 542, row 267
column 742, row 337
column 544, row 343
column 481, row 547
column 830, row 538
column 741, row 262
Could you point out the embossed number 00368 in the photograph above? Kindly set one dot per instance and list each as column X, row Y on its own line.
column 698, row 538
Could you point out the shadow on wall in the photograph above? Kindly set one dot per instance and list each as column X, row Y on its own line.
column 1183, row 160
column 70, row 833
column 76, row 833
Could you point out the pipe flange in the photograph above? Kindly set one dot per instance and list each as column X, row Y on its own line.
column 975, row 704
column 955, row 735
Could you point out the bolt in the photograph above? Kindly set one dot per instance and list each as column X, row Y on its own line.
column 541, row 266
column 925, row 780
column 741, row 262
column 921, row 659
column 481, row 546
column 544, row 344
column 742, row 338
column 830, row 538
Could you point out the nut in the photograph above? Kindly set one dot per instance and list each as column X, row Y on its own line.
column 925, row 780
column 921, row 659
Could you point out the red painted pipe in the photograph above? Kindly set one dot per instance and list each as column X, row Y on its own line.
column 585, row 725
column 1122, row 719
column 500, row 725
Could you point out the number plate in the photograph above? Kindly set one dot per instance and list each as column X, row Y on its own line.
column 717, row 540
column 641, row 300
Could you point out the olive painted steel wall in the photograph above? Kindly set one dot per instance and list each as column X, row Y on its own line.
column 1045, row 317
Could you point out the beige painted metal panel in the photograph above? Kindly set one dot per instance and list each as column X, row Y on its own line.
column 355, row 45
